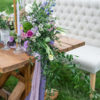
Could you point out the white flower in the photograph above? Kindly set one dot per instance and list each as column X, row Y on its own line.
column 38, row 34
column 3, row 13
column 51, row 57
column 47, row 39
column 41, row 27
column 33, row 38
column 28, row 8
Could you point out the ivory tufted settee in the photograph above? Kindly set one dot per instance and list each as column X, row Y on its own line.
column 82, row 18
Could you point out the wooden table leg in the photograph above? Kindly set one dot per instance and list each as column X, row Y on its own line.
column 3, row 78
column 27, row 77
column 27, row 80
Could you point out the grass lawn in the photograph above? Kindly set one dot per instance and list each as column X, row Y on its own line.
column 68, row 92
column 5, row 5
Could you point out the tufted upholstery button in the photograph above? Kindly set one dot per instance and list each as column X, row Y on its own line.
column 82, row 16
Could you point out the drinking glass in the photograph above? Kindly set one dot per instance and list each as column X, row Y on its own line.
column 18, row 49
column 5, row 38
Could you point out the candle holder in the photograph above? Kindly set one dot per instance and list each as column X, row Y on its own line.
column 18, row 49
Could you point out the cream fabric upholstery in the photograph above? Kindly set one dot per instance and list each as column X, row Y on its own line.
column 82, row 19
column 89, row 58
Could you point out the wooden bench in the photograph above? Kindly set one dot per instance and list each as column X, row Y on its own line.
column 19, row 66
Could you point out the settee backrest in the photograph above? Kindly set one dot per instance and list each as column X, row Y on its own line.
column 81, row 18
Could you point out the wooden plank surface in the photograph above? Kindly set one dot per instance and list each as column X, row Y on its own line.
column 9, row 61
column 66, row 44
column 17, row 92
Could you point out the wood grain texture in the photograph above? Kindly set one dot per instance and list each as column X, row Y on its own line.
column 3, row 78
column 68, row 43
column 92, row 83
column 28, row 79
column 9, row 61
column 17, row 92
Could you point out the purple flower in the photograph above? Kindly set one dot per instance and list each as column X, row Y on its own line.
column 51, row 10
column 47, row 11
column 26, row 44
column 30, row 33
column 52, row 22
column 11, row 39
column 43, row 4
column 51, row 42
column 34, row 30
column 29, row 18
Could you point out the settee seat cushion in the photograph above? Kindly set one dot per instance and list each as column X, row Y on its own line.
column 88, row 58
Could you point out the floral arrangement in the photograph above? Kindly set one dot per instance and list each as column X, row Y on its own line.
column 39, row 32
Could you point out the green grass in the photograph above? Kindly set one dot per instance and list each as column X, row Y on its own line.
column 10, row 84
column 5, row 5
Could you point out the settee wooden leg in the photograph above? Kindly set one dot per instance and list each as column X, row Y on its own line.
column 92, row 82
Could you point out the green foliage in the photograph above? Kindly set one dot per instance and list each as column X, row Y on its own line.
column 6, row 5
column 27, row 26
column 12, row 33
column 3, row 24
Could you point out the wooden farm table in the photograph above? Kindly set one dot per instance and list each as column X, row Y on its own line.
column 19, row 67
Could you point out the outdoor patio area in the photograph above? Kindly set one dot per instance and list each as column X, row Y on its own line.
column 49, row 50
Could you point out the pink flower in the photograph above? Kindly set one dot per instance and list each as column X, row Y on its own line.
column 55, row 27
column 23, row 36
column 50, row 29
column 30, row 33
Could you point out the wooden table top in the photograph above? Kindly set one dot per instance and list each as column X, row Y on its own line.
column 9, row 61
